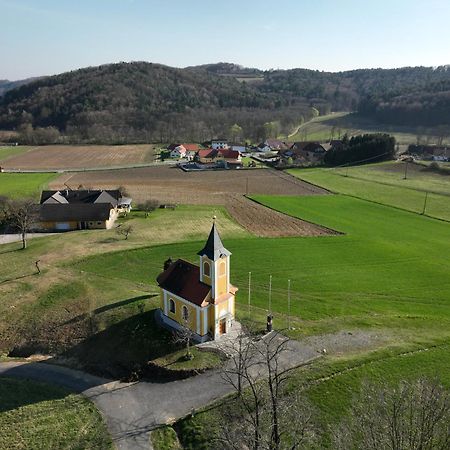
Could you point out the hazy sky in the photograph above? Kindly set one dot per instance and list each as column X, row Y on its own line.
column 43, row 37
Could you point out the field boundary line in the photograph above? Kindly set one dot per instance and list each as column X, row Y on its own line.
column 333, row 232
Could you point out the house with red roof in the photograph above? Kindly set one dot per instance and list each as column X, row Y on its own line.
column 211, row 155
column 199, row 297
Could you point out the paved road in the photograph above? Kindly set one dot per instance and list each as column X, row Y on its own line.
column 8, row 238
column 131, row 411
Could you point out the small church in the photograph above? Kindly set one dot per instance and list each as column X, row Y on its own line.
column 199, row 297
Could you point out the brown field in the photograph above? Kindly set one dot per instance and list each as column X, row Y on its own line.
column 171, row 185
column 66, row 157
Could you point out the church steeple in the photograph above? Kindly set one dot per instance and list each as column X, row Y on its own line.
column 215, row 264
column 214, row 248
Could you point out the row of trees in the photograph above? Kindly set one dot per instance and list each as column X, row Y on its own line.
column 362, row 149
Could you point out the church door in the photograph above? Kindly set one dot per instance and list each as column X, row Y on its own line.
column 223, row 326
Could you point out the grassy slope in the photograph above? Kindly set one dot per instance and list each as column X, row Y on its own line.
column 64, row 305
column 385, row 183
column 17, row 185
column 36, row 415
column 383, row 273
column 320, row 129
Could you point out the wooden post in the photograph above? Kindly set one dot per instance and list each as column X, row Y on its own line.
column 270, row 294
column 249, row 290
column 425, row 203
column 289, row 304
column 406, row 170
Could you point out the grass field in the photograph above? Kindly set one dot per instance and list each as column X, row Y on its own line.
column 320, row 129
column 37, row 416
column 90, row 314
column 17, row 185
column 382, row 274
column 384, row 183
column 9, row 152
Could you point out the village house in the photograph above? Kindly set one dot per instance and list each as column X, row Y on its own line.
column 186, row 151
column 217, row 144
column 209, row 156
column 67, row 210
column 304, row 152
column 273, row 145
column 199, row 297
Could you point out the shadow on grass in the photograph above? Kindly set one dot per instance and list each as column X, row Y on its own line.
column 109, row 307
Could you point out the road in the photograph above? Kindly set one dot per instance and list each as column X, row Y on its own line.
column 132, row 410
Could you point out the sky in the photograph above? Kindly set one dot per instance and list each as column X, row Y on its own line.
column 45, row 37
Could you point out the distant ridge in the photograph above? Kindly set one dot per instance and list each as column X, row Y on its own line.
column 142, row 101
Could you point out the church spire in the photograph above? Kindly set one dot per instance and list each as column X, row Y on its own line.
column 214, row 248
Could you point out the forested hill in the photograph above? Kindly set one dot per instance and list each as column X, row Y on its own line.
column 144, row 101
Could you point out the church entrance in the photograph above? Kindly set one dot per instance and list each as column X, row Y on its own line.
column 223, row 326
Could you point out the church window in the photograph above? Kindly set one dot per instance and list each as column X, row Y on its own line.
column 206, row 269
column 185, row 312
column 222, row 268
column 172, row 306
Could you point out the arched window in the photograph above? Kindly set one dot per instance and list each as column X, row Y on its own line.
column 206, row 269
column 185, row 313
column 222, row 268
column 172, row 306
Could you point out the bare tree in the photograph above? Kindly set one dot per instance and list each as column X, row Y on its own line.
column 185, row 336
column 148, row 206
column 20, row 215
column 125, row 230
column 411, row 416
column 262, row 416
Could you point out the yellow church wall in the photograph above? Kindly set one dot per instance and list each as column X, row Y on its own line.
column 212, row 319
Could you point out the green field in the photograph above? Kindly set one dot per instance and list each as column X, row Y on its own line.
column 390, row 269
column 36, row 416
column 321, row 129
column 19, row 185
column 384, row 183
column 6, row 152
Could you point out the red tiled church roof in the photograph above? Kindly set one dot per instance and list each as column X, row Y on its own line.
column 183, row 279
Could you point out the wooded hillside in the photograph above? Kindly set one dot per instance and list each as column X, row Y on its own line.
column 151, row 102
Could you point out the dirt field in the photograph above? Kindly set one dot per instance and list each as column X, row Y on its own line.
column 171, row 185
column 60, row 157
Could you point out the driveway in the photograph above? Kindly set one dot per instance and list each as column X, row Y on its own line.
column 131, row 411
column 8, row 238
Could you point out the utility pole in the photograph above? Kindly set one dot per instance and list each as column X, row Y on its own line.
column 425, row 203
column 406, row 170
column 289, row 304
column 270, row 294
column 249, row 290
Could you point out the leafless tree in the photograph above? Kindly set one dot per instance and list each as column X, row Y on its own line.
column 411, row 416
column 185, row 336
column 262, row 416
column 125, row 230
column 20, row 215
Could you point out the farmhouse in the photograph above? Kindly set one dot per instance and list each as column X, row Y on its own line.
column 210, row 155
column 302, row 152
column 187, row 151
column 67, row 210
column 200, row 298
column 273, row 145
